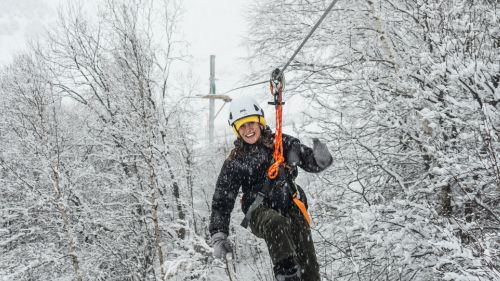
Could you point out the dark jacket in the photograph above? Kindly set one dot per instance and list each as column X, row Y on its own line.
column 246, row 167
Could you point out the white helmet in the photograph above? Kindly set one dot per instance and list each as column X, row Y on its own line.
column 242, row 107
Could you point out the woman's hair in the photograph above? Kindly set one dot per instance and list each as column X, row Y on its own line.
column 266, row 139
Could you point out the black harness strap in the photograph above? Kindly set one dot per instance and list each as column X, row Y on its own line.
column 261, row 195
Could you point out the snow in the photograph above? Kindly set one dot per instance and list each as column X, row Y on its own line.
column 117, row 184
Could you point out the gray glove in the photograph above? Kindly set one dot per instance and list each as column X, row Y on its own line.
column 221, row 245
column 321, row 154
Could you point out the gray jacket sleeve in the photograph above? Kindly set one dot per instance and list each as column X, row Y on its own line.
column 226, row 191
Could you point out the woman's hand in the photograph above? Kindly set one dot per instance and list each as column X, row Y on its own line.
column 321, row 154
column 221, row 245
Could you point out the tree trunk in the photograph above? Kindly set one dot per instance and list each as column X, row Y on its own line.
column 67, row 229
column 446, row 208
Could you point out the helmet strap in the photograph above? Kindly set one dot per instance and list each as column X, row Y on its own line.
column 237, row 132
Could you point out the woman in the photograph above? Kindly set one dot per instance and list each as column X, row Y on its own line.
column 278, row 220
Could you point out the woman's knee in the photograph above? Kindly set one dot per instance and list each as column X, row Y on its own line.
column 274, row 222
column 269, row 221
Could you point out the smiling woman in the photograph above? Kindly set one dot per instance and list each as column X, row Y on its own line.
column 273, row 207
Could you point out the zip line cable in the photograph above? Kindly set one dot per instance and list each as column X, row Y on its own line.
column 246, row 86
column 309, row 35
column 323, row 16
column 325, row 13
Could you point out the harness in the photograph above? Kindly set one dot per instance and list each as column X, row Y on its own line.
column 276, row 171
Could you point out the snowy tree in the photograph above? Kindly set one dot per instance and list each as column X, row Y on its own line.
column 102, row 177
column 406, row 93
column 99, row 147
column 41, row 167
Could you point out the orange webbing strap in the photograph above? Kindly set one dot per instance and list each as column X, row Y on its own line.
column 302, row 207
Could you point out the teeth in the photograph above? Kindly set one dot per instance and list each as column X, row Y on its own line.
column 250, row 135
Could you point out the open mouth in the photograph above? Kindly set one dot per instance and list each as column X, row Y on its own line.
column 250, row 135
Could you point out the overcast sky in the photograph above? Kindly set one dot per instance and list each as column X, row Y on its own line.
column 210, row 27
column 21, row 20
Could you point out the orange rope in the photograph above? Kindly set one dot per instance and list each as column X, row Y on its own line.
column 273, row 171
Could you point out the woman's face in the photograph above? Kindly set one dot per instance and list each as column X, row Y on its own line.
column 250, row 132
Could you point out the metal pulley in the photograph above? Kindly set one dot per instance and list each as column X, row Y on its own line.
column 277, row 81
column 277, row 84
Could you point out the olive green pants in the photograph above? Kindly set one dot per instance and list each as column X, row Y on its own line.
column 286, row 237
